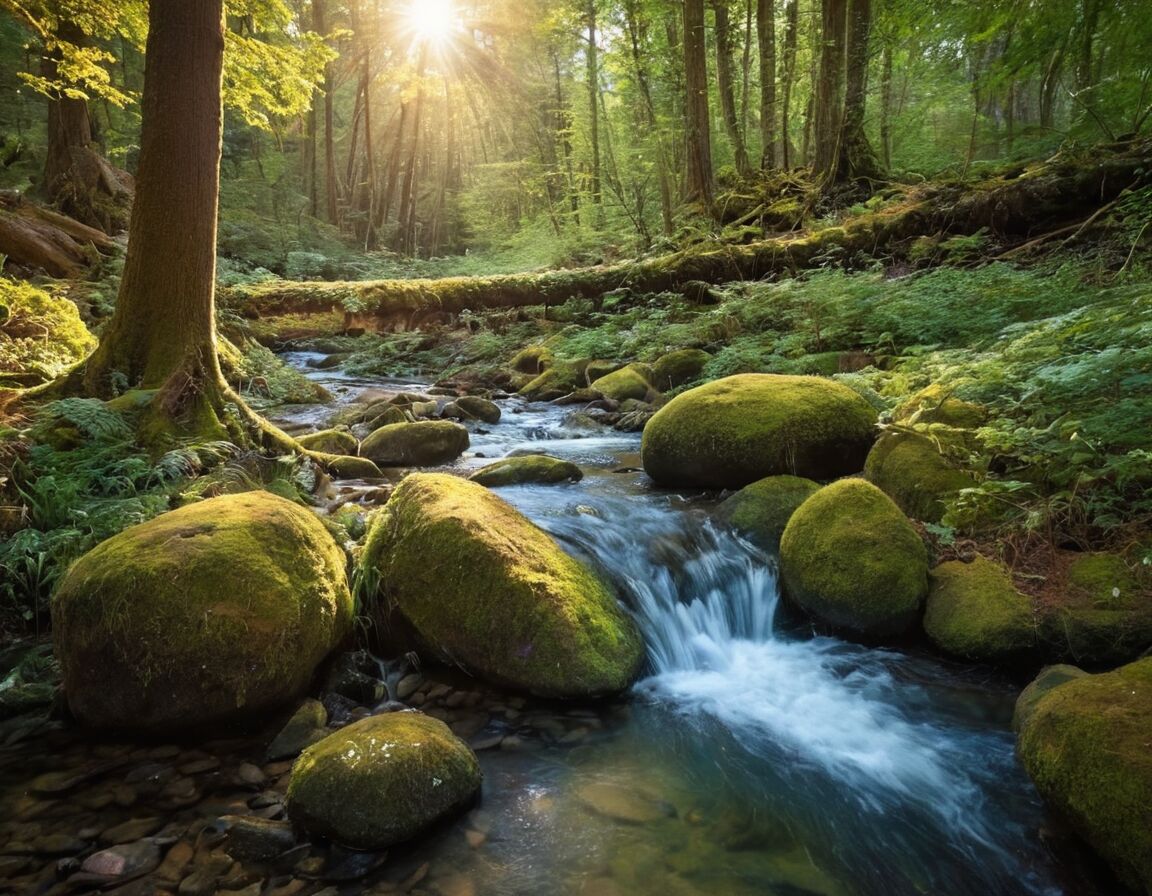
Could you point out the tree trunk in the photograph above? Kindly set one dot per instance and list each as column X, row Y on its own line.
column 791, row 29
column 77, row 178
column 593, row 67
column 856, row 159
column 727, row 88
column 643, row 79
column 886, row 104
column 828, row 107
column 698, row 144
column 320, row 26
column 766, row 41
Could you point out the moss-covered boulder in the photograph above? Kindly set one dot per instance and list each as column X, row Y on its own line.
column 41, row 336
column 937, row 404
column 1105, row 615
column 485, row 589
column 910, row 469
column 216, row 609
column 533, row 359
column 346, row 466
column 627, row 382
column 760, row 511
column 1085, row 745
column 425, row 443
column 330, row 441
column 529, row 468
column 555, row 381
column 473, row 407
column 600, row 367
column 731, row 432
column 1050, row 677
column 679, row 368
column 975, row 612
column 383, row 780
column 849, row 557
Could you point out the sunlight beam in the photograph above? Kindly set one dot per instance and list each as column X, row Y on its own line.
column 431, row 21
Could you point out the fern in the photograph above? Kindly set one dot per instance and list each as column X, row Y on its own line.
column 90, row 416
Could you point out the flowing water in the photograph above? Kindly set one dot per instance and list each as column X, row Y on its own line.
column 753, row 757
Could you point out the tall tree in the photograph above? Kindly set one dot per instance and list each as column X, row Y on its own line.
column 592, row 65
column 698, row 136
column 727, row 88
column 856, row 158
column 766, row 42
column 828, row 98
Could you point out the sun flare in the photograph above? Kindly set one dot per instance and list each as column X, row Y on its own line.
column 431, row 20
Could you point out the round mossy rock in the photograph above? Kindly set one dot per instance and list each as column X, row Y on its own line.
column 761, row 511
column 627, row 382
column 473, row 407
column 528, row 468
column 679, row 368
column 911, row 471
column 485, row 589
column 383, row 780
column 218, row 608
column 42, row 336
column 415, row 444
column 936, row 404
column 975, row 612
column 1085, row 745
column 733, row 431
column 1050, row 677
column 330, row 441
column 555, row 381
column 849, row 557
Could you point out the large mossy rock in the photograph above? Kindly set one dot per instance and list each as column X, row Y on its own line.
column 527, row 468
column 760, row 511
column 1105, row 616
column 1050, row 677
column 937, row 404
column 912, row 472
column 485, row 589
column 627, row 382
column 383, row 780
column 331, row 441
column 679, row 368
column 975, row 612
column 41, row 336
column 849, row 557
column 555, row 381
column 473, row 407
column 733, row 431
column 216, row 609
column 415, row 444
column 1085, row 744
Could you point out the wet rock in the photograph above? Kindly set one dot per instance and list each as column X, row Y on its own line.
column 331, row 441
column 527, row 468
column 975, row 612
column 131, row 830
column 250, row 775
column 408, row 685
column 125, row 860
column 171, row 870
column 256, row 839
column 54, row 845
column 307, row 726
column 415, row 444
column 24, row 698
column 760, row 511
column 623, row 804
column 355, row 676
column 473, row 407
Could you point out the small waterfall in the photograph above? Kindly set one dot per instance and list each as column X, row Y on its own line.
column 856, row 747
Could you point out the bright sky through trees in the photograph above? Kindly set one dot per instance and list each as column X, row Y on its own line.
column 431, row 21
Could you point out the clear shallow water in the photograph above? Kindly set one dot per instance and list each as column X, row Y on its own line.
column 757, row 760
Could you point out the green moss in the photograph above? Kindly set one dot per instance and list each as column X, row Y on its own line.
column 476, row 408
column 849, row 557
column 346, row 467
column 734, row 431
column 1085, row 745
column 527, row 468
column 627, row 382
column 679, row 368
column 534, row 359
column 330, row 441
column 41, row 336
column 491, row 592
column 761, row 511
column 912, row 472
column 598, row 369
column 1103, row 580
column 223, row 606
column 975, row 612
column 1050, row 677
column 415, row 444
column 383, row 780
column 935, row 404
column 556, row 381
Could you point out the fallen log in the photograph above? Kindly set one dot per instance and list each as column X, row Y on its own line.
column 34, row 237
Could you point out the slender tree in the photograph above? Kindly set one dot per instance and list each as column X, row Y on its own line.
column 725, row 83
column 698, row 145
column 766, row 42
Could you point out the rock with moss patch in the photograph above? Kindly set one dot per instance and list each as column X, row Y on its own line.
column 1085, row 745
column 731, row 432
column 485, row 589
column 761, row 511
column 848, row 556
column 599, row 368
column 218, row 609
column 627, row 382
column 679, row 368
column 383, row 780
column 975, row 612
column 473, row 407
column 937, row 404
column 912, row 472
column 529, row 468
column 1050, row 677
column 556, row 381
column 330, row 441
column 1105, row 616
column 415, row 444
column 344, row 466
column 533, row 359
column 41, row 336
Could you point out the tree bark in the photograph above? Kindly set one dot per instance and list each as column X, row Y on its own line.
column 331, row 190
column 828, row 102
column 592, row 64
column 856, row 159
column 766, row 41
column 698, row 143
column 727, row 88
column 788, row 80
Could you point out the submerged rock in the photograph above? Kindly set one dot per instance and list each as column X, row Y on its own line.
column 383, row 780
column 731, row 432
column 485, row 589
column 1085, row 745
column 415, row 444
column 761, row 511
column 913, row 473
column 975, row 612
column 527, row 468
column 221, row 607
column 849, row 557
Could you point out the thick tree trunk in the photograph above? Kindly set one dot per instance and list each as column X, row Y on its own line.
column 766, row 41
column 726, row 87
column 828, row 102
column 698, row 145
column 856, row 159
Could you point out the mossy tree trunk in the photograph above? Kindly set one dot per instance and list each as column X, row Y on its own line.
column 698, row 186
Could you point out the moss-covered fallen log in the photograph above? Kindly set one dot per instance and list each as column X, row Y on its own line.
column 1013, row 208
